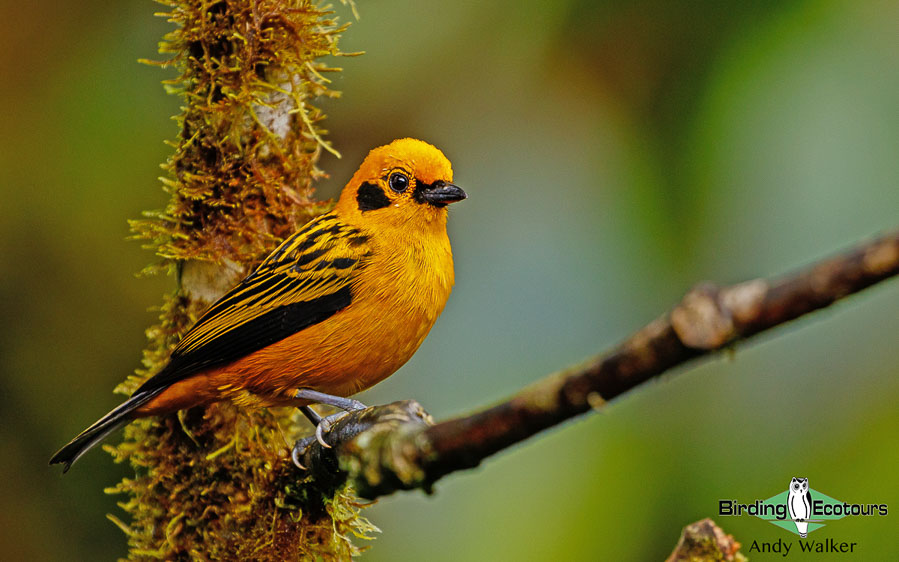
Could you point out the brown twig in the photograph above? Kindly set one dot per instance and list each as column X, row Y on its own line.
column 386, row 448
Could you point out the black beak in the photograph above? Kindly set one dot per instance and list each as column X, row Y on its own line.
column 440, row 193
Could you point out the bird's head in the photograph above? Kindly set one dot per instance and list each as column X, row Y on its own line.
column 406, row 184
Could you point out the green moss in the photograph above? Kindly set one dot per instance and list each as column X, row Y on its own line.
column 242, row 171
column 217, row 482
column 220, row 488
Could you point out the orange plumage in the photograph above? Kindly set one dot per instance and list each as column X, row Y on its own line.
column 339, row 306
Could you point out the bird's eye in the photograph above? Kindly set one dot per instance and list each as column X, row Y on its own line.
column 398, row 182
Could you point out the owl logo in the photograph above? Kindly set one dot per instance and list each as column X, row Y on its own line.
column 799, row 503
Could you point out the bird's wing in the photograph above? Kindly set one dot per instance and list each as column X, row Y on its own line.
column 304, row 281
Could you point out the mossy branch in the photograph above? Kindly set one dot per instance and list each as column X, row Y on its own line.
column 396, row 447
column 216, row 483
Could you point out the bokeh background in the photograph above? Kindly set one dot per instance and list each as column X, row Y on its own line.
column 615, row 153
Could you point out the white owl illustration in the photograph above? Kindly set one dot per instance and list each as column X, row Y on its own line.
column 800, row 504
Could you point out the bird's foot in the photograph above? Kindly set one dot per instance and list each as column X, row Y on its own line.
column 323, row 425
column 369, row 448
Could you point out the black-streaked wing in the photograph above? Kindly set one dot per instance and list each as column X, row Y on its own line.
column 307, row 279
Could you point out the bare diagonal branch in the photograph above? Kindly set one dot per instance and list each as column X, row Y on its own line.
column 386, row 448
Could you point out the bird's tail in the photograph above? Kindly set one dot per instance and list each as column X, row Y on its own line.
column 101, row 428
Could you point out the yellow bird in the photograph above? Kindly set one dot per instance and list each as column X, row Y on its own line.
column 339, row 306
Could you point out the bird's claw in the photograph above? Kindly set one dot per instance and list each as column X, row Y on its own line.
column 325, row 425
column 298, row 448
column 319, row 435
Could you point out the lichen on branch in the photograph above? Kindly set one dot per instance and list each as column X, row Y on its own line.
column 217, row 482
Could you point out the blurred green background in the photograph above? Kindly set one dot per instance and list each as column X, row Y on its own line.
column 615, row 154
